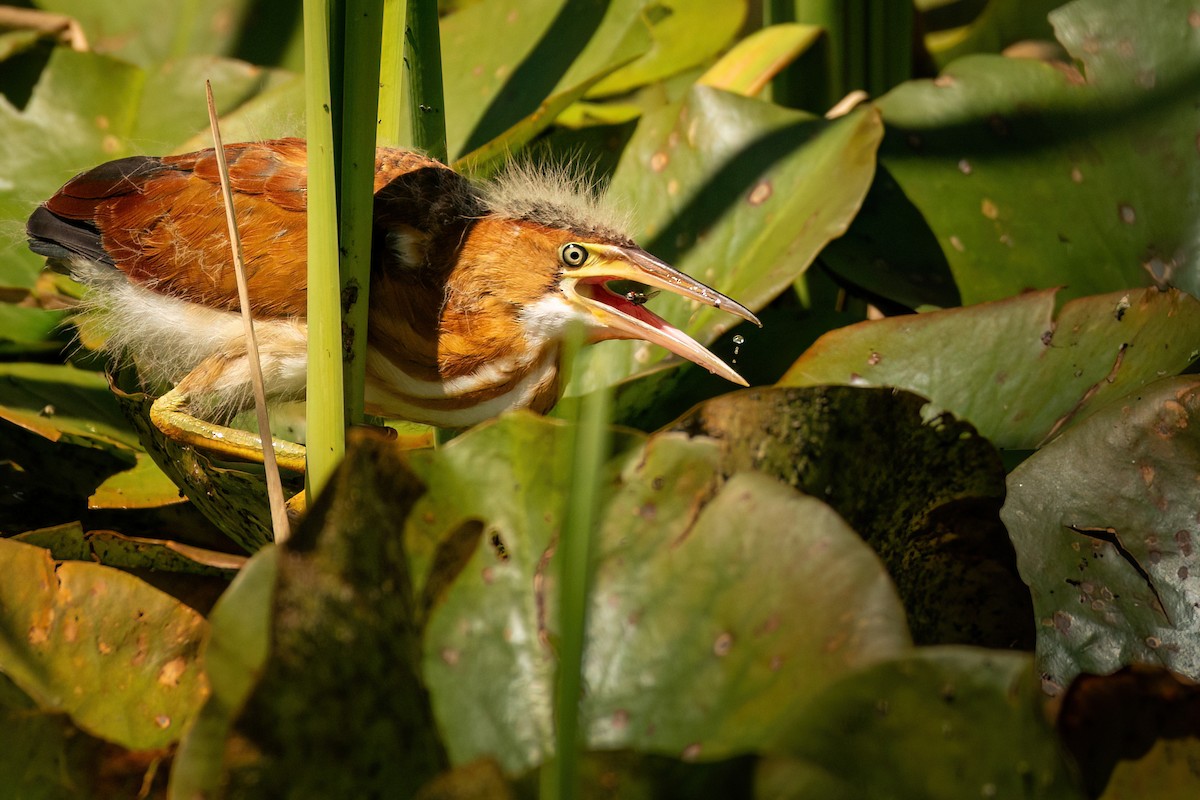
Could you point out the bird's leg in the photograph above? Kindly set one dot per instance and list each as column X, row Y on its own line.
column 174, row 415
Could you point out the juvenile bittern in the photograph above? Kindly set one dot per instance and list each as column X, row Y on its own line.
column 473, row 287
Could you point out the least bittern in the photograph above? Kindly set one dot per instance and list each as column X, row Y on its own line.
column 473, row 287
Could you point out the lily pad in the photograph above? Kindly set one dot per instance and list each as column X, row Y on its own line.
column 27, row 330
column 502, row 59
column 61, row 403
column 100, row 645
column 937, row 723
column 1001, row 23
column 74, row 406
column 684, row 33
column 1016, row 370
column 750, row 64
column 708, row 608
column 922, row 488
column 741, row 195
column 143, row 486
column 490, row 156
column 179, row 28
column 684, row 656
column 70, row 542
column 1034, row 175
column 1103, row 520
column 889, row 252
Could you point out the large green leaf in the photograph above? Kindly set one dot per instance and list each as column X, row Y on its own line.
column 1014, row 369
column 502, row 59
column 940, row 724
column 180, row 27
column 922, row 488
column 739, row 615
column 62, row 403
column 1035, row 175
column 26, row 330
column 889, row 251
column 695, row 646
column 684, row 33
column 101, row 645
column 1104, row 523
column 80, row 114
column 738, row 193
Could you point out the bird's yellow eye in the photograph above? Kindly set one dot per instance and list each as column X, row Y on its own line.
column 573, row 255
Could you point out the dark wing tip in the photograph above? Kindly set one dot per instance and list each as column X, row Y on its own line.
column 62, row 239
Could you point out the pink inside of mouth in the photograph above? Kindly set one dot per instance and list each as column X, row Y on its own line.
column 597, row 290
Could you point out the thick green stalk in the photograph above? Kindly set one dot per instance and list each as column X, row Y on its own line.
column 325, row 414
column 877, row 45
column 867, row 45
column 360, row 91
column 393, row 114
column 816, row 81
column 851, row 35
column 574, row 556
column 899, row 54
column 423, row 58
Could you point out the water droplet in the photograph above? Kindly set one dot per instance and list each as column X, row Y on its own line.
column 738, row 341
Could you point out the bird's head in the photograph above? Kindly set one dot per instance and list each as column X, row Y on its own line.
column 545, row 257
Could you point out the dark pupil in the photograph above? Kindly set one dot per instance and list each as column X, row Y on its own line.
column 574, row 255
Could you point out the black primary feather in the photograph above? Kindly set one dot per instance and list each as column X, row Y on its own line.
column 69, row 236
column 61, row 240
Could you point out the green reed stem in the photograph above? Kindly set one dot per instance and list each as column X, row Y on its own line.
column 326, row 440
column 423, row 58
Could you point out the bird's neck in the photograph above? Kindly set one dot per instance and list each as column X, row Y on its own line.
column 440, row 357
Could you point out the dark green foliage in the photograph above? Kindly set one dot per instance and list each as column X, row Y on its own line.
column 762, row 562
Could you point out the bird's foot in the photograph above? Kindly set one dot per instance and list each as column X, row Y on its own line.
column 170, row 415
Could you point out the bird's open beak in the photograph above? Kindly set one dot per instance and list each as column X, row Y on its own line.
column 625, row 316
